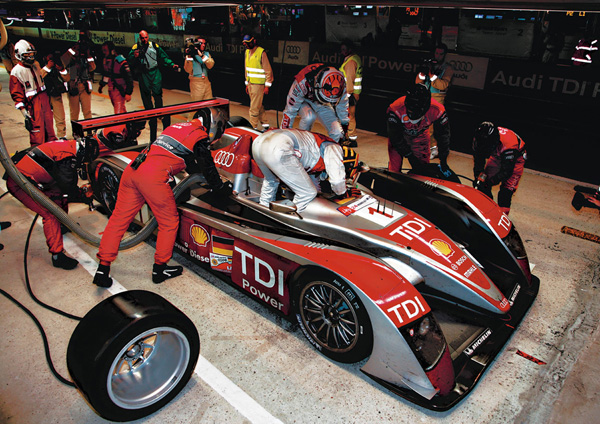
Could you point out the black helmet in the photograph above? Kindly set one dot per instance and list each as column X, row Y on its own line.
column 418, row 101
column 87, row 149
column 486, row 138
column 351, row 164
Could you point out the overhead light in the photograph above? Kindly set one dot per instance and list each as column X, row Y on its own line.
column 34, row 19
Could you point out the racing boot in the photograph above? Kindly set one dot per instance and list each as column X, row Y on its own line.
column 162, row 272
column 60, row 260
column 102, row 277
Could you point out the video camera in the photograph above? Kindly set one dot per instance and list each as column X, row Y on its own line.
column 191, row 47
column 427, row 66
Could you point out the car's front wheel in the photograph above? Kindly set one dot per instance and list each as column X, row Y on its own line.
column 131, row 354
column 332, row 317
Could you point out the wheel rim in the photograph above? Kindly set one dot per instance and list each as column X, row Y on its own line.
column 109, row 188
column 329, row 317
column 148, row 368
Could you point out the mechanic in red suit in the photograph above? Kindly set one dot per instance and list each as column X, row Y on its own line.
column 498, row 158
column 183, row 146
column 28, row 91
column 408, row 121
column 52, row 167
column 118, row 137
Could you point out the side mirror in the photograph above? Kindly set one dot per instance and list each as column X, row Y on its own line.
column 284, row 206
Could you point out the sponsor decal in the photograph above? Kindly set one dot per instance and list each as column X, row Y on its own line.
column 470, row 271
column 220, row 262
column 504, row 222
column 470, row 350
column 224, row 159
column 459, row 262
column 514, row 294
column 441, row 248
column 364, row 201
column 222, row 246
column 408, row 309
column 411, row 228
column 199, row 235
column 531, row 358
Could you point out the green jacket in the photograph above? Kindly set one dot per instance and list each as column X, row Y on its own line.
column 147, row 65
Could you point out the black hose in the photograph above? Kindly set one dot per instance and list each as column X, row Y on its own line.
column 39, row 302
column 4, row 194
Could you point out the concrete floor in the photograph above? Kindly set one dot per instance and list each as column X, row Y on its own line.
column 256, row 368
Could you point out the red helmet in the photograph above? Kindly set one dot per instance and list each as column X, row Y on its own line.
column 25, row 52
column 330, row 85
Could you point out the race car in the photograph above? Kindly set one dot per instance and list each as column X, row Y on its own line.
column 423, row 278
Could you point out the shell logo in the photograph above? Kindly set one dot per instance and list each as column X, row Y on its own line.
column 199, row 235
column 440, row 247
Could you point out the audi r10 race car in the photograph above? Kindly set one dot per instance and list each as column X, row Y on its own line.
column 423, row 278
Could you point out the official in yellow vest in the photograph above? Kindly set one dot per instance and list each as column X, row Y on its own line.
column 352, row 70
column 259, row 78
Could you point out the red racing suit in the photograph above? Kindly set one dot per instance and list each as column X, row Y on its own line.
column 302, row 101
column 51, row 166
column 179, row 147
column 411, row 139
column 117, row 75
column 27, row 90
column 503, row 166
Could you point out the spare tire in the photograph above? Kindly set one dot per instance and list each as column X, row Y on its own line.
column 132, row 354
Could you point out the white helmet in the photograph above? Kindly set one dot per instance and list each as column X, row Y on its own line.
column 329, row 85
column 25, row 52
column 214, row 121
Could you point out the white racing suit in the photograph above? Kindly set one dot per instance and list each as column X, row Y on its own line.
column 302, row 101
column 288, row 155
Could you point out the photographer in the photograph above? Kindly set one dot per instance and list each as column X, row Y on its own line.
column 145, row 59
column 197, row 63
column 437, row 74
column 80, row 64
column 56, row 77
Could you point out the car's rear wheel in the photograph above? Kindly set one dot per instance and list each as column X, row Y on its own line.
column 239, row 121
column 332, row 317
column 131, row 354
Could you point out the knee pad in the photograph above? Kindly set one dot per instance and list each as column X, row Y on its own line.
column 505, row 197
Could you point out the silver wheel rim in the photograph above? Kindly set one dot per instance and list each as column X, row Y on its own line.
column 148, row 368
column 329, row 317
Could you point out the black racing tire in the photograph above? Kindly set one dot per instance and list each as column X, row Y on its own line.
column 107, row 187
column 332, row 317
column 132, row 354
column 238, row 121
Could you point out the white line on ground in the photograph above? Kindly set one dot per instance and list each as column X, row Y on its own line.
column 236, row 397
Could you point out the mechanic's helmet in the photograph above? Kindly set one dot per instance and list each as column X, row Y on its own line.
column 329, row 85
column 486, row 138
column 87, row 149
column 350, row 163
column 25, row 52
column 200, row 43
column 418, row 101
column 249, row 41
column 134, row 129
column 214, row 121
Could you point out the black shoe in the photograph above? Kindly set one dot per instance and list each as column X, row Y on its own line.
column 61, row 260
column 4, row 225
column 163, row 272
column 102, row 277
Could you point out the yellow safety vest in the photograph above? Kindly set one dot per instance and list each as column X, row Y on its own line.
column 255, row 74
column 358, row 77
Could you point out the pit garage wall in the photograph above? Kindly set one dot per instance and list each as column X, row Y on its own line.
column 554, row 108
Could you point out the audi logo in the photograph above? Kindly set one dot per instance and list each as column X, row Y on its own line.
column 459, row 65
column 293, row 49
column 224, row 158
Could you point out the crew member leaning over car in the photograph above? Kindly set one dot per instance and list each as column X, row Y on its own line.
column 498, row 158
column 52, row 167
column 183, row 146
column 408, row 121
column 289, row 155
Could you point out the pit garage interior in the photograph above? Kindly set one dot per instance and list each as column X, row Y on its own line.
column 256, row 367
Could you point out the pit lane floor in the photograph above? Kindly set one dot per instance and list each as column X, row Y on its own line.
column 257, row 368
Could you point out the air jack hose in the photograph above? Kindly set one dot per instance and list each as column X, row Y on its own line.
column 64, row 218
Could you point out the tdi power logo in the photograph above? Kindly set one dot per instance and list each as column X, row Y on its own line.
column 473, row 346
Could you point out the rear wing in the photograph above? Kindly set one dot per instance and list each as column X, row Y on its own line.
column 87, row 126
